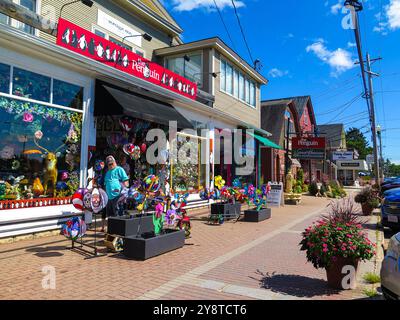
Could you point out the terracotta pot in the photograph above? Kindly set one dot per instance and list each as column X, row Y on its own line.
column 366, row 209
column 342, row 278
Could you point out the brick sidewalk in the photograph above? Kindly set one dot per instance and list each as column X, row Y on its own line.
column 231, row 261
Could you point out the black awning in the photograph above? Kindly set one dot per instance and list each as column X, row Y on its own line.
column 111, row 100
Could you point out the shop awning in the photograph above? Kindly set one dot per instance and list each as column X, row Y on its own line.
column 265, row 141
column 114, row 101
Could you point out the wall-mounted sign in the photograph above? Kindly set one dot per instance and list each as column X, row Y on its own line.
column 308, row 143
column 88, row 44
column 308, row 148
column 111, row 24
column 342, row 155
column 358, row 165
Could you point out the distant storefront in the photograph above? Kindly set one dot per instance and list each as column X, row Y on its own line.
column 348, row 170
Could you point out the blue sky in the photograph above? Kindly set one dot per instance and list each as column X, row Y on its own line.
column 305, row 50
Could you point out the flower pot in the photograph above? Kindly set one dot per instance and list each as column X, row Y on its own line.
column 366, row 209
column 342, row 274
column 149, row 245
column 257, row 216
column 226, row 210
column 126, row 226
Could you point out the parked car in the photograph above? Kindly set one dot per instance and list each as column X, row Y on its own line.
column 390, row 185
column 390, row 209
column 390, row 271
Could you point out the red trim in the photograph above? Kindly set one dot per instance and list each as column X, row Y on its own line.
column 32, row 203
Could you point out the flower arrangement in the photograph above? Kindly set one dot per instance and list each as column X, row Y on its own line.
column 369, row 199
column 338, row 235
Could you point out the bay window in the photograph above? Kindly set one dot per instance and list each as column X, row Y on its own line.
column 191, row 70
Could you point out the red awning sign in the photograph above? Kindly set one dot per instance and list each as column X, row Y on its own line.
column 308, row 143
column 88, row 44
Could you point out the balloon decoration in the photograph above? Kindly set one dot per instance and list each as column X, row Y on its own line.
column 127, row 123
column 143, row 148
column 132, row 151
column 205, row 194
column 219, row 182
column 77, row 198
column 74, row 228
column 99, row 200
column 151, row 183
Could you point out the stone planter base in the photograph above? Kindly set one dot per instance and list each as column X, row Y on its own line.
column 149, row 245
column 126, row 226
column 257, row 216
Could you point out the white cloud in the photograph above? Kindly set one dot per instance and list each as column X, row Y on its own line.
column 351, row 44
column 189, row 5
column 276, row 73
column 391, row 18
column 337, row 7
column 340, row 60
column 393, row 14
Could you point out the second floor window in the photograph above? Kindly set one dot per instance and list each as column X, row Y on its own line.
column 28, row 4
column 236, row 84
column 192, row 69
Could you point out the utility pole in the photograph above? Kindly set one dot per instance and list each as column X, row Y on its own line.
column 373, row 123
column 382, row 161
column 355, row 6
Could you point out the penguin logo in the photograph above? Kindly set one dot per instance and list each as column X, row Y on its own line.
column 74, row 41
column 125, row 61
column 66, row 36
column 171, row 82
column 100, row 50
column 193, row 92
column 146, row 71
column 91, row 47
column 82, row 43
column 108, row 53
column 114, row 56
column 180, row 86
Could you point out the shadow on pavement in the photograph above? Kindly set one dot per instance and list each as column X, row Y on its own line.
column 295, row 285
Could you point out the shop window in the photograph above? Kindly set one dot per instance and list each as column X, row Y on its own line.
column 67, row 95
column 188, row 175
column 229, row 77
column 120, row 43
column 5, row 78
column 31, row 85
column 39, row 150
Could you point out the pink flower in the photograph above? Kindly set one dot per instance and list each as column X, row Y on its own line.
column 344, row 249
column 325, row 245
column 325, row 250
column 38, row 134
column 27, row 117
column 339, row 229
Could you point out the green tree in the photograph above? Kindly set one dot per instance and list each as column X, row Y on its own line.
column 392, row 169
column 355, row 139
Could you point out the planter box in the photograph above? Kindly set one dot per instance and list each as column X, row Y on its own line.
column 149, row 245
column 257, row 216
column 126, row 226
column 227, row 210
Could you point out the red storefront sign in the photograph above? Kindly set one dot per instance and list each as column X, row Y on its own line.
column 88, row 44
column 308, row 143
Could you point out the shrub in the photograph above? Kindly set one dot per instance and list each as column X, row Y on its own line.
column 305, row 188
column 343, row 211
column 368, row 196
column 372, row 278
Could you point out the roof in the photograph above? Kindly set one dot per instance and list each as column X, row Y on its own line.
column 220, row 46
column 333, row 134
column 269, row 116
column 300, row 103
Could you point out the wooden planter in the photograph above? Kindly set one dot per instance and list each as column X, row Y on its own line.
column 126, row 226
column 227, row 210
column 335, row 274
column 149, row 245
column 257, row 216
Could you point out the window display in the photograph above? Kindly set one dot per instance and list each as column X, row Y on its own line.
column 39, row 150
column 67, row 95
column 4, row 78
column 31, row 85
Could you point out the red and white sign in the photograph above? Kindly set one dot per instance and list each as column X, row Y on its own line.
column 88, row 44
column 308, row 143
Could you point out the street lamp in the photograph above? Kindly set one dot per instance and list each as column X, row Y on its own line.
column 145, row 36
column 87, row 3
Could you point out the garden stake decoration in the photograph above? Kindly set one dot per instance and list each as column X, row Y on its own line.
column 177, row 206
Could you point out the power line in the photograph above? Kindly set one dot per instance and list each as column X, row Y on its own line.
column 337, row 108
column 242, row 31
column 223, row 22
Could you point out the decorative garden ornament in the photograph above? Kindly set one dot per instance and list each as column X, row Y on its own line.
column 219, row 182
column 74, row 228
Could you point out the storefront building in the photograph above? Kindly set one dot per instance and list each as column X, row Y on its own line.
column 348, row 171
column 68, row 101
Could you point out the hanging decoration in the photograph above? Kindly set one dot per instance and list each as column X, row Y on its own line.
column 126, row 123
column 219, row 182
column 132, row 151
